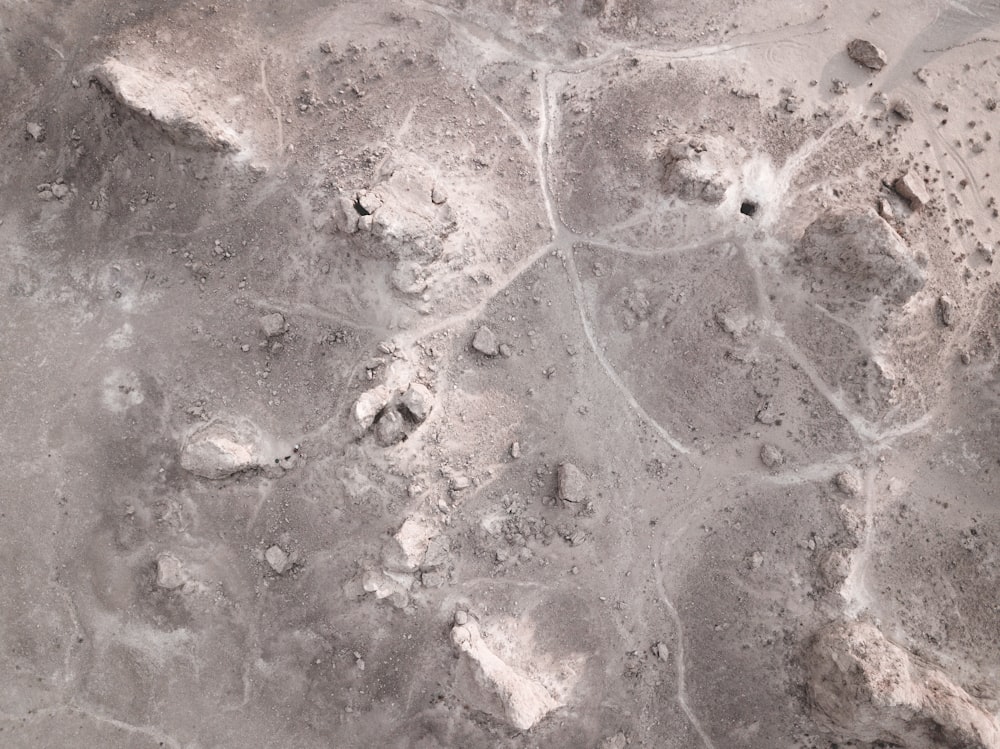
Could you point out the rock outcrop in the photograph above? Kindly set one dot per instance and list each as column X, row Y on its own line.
column 867, row 689
column 168, row 104
column 222, row 448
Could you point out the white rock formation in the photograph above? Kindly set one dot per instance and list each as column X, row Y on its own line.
column 525, row 700
column 221, row 448
column 168, row 103
column 870, row 690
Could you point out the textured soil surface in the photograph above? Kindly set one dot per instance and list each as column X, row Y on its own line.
column 600, row 373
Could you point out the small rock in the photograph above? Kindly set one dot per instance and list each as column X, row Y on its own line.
column 771, row 456
column 46, row 195
column 486, row 342
column 439, row 196
column 409, row 277
column 572, row 483
column 506, row 351
column 36, row 131
column 326, row 48
column 839, row 87
column 885, row 209
column 60, row 191
column 390, row 428
column 847, row 483
column 902, row 108
column 277, row 558
column 946, row 310
column 661, row 651
column 835, row 567
column 515, row 450
column 461, row 617
column 867, row 54
column 273, row 324
column 458, row 483
column 169, row 572
column 618, row 741
column 912, row 187
column 417, row 402
column 756, row 560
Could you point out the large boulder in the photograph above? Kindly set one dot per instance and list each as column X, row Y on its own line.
column 856, row 257
column 222, row 448
column 168, row 104
column 868, row 689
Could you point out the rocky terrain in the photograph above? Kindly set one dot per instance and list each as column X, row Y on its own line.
column 461, row 374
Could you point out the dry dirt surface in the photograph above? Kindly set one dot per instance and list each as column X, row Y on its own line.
column 467, row 374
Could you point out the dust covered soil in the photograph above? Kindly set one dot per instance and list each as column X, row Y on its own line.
column 468, row 374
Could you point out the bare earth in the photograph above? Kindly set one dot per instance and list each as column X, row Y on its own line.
column 607, row 373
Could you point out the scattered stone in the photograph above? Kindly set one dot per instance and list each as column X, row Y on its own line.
column 460, row 483
column 390, row 428
column 903, row 109
column 36, row 131
column 486, row 342
column 506, row 351
column 525, row 700
column 169, row 572
column 417, row 402
column 771, row 456
column 572, row 484
column 272, row 324
column 438, row 195
column 222, row 448
column 946, row 310
column 871, row 691
column 167, row 104
column 867, row 54
column 911, row 187
column 277, row 558
column 847, row 483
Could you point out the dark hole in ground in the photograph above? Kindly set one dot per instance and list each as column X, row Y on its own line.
column 748, row 208
column 360, row 208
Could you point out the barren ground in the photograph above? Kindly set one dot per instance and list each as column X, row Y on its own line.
column 521, row 374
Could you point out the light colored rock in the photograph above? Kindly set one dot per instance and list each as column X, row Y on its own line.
column 771, row 456
column 36, row 131
column 868, row 689
column 847, row 482
column 406, row 550
column 221, row 448
column 390, row 428
column 525, row 700
column 834, row 567
column 272, row 324
column 866, row 54
column 418, row 402
column 368, row 405
column 345, row 215
column 486, row 342
column 911, row 187
column 409, row 277
column 439, row 195
column 169, row 572
column 167, row 103
column 947, row 309
column 572, row 484
column 856, row 256
column 661, row 651
column 276, row 558
column 60, row 191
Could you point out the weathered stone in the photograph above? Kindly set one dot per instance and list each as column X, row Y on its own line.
column 947, row 310
column 221, row 448
column 486, row 342
column 771, row 456
column 168, row 104
column 847, row 483
column 870, row 690
column 417, row 402
column 368, row 406
column 911, row 187
column 169, row 572
column 867, row 54
column 390, row 429
column 276, row 558
column 572, row 484
column 272, row 324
